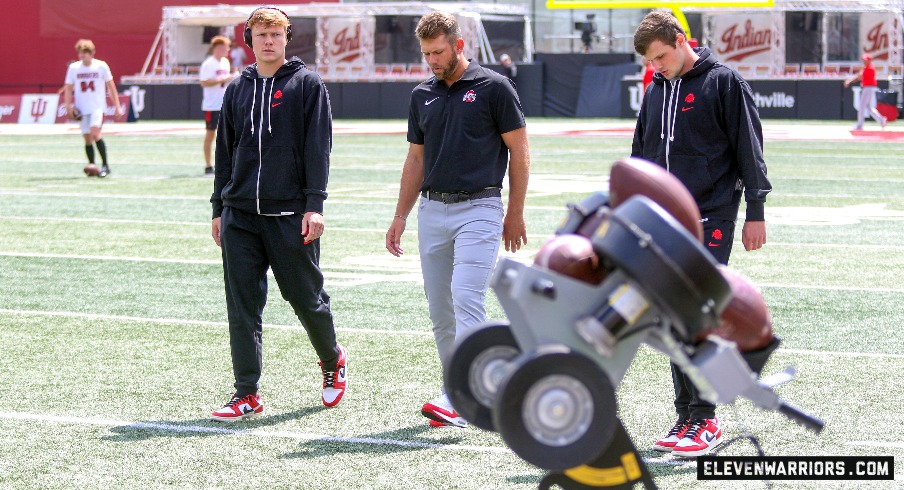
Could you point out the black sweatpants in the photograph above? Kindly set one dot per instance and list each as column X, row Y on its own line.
column 718, row 236
column 251, row 244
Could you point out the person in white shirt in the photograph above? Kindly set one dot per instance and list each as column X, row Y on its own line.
column 238, row 57
column 87, row 81
column 214, row 75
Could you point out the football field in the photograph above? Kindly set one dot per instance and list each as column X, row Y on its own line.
column 116, row 348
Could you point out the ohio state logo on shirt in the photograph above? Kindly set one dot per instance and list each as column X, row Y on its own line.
column 469, row 97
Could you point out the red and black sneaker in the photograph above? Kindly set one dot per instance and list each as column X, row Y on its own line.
column 238, row 408
column 667, row 443
column 701, row 437
column 336, row 380
column 440, row 410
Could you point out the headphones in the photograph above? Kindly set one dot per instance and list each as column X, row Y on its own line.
column 248, row 28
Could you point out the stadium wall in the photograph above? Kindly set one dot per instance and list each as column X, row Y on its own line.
column 41, row 37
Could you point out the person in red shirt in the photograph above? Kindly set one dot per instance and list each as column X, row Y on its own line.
column 648, row 76
column 869, row 87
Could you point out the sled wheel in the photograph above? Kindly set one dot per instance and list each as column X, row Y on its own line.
column 479, row 364
column 556, row 410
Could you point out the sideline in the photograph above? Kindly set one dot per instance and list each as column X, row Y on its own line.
column 536, row 126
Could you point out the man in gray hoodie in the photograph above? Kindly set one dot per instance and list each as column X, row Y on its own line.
column 272, row 164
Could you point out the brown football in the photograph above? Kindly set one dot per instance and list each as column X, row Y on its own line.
column 745, row 320
column 591, row 223
column 572, row 256
column 632, row 176
column 91, row 170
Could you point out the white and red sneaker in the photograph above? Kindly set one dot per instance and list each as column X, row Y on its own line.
column 336, row 380
column 667, row 443
column 701, row 437
column 238, row 408
column 440, row 410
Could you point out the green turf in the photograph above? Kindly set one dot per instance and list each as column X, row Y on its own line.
column 113, row 320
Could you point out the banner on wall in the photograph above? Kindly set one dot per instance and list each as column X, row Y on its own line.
column 878, row 34
column 744, row 38
column 346, row 42
column 39, row 108
column 50, row 109
column 9, row 108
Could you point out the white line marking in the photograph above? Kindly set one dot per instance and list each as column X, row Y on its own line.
column 897, row 445
column 536, row 236
column 205, row 224
column 99, row 196
column 110, row 257
column 830, row 288
column 302, row 436
column 356, row 279
column 177, row 321
column 835, row 245
column 298, row 436
column 842, row 354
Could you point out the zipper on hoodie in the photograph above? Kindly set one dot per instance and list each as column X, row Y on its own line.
column 260, row 132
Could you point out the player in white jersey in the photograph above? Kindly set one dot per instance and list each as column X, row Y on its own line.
column 88, row 80
column 214, row 75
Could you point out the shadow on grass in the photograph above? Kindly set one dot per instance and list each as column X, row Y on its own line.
column 663, row 464
column 525, row 479
column 202, row 427
column 659, row 465
column 406, row 439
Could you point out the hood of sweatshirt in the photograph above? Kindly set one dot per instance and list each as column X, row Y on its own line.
column 250, row 73
column 703, row 127
column 274, row 142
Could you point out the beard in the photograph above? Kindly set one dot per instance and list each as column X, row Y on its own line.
column 448, row 70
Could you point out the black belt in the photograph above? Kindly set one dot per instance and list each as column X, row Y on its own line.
column 455, row 197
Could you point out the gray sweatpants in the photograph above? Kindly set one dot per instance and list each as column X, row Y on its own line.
column 458, row 246
column 868, row 106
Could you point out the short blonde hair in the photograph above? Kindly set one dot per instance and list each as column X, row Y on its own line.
column 268, row 17
column 217, row 40
column 84, row 45
column 436, row 24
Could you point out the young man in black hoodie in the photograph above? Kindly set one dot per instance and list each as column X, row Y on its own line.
column 699, row 121
column 272, row 164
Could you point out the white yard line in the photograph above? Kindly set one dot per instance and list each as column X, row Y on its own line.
column 177, row 321
column 267, row 434
column 830, row 288
column 307, row 436
column 301, row 436
column 391, row 275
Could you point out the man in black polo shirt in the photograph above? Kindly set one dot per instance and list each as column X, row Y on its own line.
column 463, row 124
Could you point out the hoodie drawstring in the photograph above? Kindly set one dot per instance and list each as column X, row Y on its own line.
column 253, row 97
column 270, row 108
column 669, row 114
column 263, row 103
column 662, row 115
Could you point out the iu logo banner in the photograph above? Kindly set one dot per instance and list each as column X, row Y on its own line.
column 744, row 38
column 39, row 108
